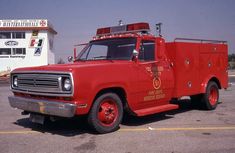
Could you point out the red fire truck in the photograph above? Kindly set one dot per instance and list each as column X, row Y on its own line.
column 124, row 68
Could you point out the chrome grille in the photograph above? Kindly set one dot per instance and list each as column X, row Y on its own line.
column 41, row 83
column 38, row 81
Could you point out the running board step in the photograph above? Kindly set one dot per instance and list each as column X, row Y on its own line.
column 157, row 109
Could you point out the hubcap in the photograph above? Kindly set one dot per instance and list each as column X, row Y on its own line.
column 213, row 96
column 108, row 112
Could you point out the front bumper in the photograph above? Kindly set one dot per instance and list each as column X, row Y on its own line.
column 54, row 108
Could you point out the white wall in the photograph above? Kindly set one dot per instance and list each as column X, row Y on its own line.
column 50, row 46
column 28, row 60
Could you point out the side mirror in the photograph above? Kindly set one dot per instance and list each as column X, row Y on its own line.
column 70, row 58
column 135, row 54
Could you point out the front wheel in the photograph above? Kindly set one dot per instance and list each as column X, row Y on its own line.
column 106, row 113
column 211, row 97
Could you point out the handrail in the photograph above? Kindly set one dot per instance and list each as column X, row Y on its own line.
column 200, row 40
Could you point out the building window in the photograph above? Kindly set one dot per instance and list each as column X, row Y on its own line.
column 12, row 51
column 5, row 35
column 5, row 51
column 18, row 51
column 18, row 35
column 13, row 35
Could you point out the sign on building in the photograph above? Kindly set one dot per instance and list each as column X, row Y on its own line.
column 26, row 43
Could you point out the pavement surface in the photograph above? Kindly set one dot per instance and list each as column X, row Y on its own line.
column 181, row 131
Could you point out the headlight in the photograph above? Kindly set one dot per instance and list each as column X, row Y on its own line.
column 15, row 81
column 67, row 84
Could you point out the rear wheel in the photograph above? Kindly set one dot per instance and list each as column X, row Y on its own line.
column 211, row 97
column 106, row 113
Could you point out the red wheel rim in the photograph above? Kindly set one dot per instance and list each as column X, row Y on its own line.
column 108, row 112
column 213, row 96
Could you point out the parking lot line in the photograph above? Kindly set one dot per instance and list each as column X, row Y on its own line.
column 18, row 132
column 177, row 129
column 138, row 129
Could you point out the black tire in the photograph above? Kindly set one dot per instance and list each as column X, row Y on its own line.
column 196, row 101
column 211, row 97
column 106, row 113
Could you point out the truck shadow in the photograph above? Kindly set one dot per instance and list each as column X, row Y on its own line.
column 78, row 126
column 64, row 127
column 184, row 106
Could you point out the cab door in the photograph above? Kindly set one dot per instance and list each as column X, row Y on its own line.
column 153, row 76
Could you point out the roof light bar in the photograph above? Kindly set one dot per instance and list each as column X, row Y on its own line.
column 135, row 27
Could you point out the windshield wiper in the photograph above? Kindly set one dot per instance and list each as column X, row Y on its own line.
column 101, row 57
column 80, row 59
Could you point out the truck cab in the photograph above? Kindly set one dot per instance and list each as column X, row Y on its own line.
column 123, row 68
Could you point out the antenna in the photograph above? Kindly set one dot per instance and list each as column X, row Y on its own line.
column 158, row 29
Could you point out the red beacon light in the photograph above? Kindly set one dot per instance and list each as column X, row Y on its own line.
column 135, row 27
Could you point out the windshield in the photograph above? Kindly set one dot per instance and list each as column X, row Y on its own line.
column 111, row 49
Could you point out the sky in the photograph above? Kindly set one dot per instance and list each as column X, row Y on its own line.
column 76, row 21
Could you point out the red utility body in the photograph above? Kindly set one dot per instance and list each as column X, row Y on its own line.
column 124, row 68
column 197, row 63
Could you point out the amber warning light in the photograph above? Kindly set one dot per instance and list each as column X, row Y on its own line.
column 136, row 27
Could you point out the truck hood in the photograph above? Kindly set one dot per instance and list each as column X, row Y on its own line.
column 71, row 66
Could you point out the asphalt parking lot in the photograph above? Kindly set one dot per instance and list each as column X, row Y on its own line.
column 184, row 130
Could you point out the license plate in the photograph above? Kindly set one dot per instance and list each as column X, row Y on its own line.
column 35, row 118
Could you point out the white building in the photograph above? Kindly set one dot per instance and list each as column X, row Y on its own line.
column 25, row 43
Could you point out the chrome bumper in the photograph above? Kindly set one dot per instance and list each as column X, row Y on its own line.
column 43, row 106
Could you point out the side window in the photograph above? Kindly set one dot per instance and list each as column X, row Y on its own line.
column 147, row 51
